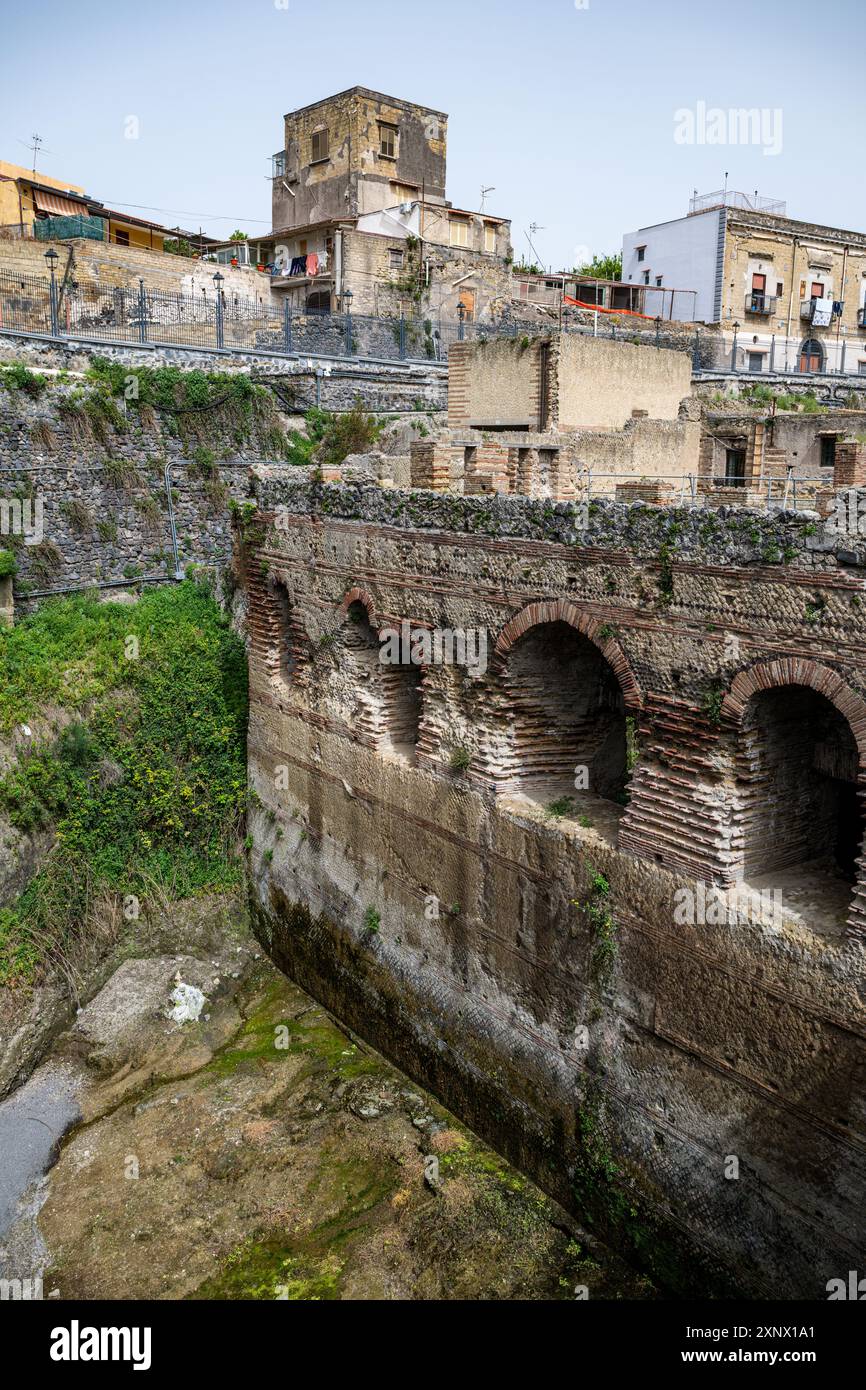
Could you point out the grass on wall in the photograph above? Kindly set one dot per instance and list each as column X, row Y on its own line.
column 145, row 788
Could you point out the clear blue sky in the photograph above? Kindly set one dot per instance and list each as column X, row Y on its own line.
column 568, row 112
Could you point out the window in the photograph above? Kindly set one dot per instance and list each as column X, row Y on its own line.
column 735, row 467
column 319, row 146
column 121, row 236
column 395, row 257
column 459, row 231
column 467, row 299
column 780, row 289
column 828, row 451
column 279, row 164
column 388, row 141
column 489, row 237
column 658, row 280
column 646, row 277
column 817, row 290
column 641, row 252
column 861, row 368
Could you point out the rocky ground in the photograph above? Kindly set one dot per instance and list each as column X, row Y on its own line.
column 259, row 1152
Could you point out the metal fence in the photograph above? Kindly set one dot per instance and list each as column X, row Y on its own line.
column 805, row 355
column 62, row 307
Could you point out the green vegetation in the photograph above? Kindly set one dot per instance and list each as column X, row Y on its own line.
column 8, row 567
column 563, row 806
column 815, row 608
column 330, row 438
column 603, row 929
column 604, row 267
column 666, row 575
column 16, row 377
column 372, row 921
column 712, row 702
column 146, row 787
column 459, row 760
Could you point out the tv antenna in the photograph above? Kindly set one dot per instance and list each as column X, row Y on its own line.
column 533, row 230
column 35, row 145
column 484, row 193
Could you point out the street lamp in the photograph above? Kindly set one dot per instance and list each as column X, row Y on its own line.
column 52, row 258
column 218, row 285
column 347, row 305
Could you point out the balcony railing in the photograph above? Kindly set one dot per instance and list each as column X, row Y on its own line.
column 760, row 303
column 807, row 309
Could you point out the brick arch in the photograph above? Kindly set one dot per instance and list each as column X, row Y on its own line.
column 356, row 595
column 563, row 611
column 791, row 670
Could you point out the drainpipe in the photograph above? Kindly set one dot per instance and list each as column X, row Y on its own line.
column 842, row 300
column 338, row 265
column 791, row 297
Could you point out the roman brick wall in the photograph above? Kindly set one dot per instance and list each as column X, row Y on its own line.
column 530, row 964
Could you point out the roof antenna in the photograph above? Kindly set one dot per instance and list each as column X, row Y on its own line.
column 484, row 193
column 533, row 228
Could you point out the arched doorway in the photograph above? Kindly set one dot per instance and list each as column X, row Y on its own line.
column 319, row 302
column 566, row 719
column 383, row 698
column 798, row 768
column 811, row 358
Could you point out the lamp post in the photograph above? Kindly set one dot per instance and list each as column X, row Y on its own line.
column 218, row 286
column 734, row 346
column 658, row 329
column 461, row 321
column 51, row 258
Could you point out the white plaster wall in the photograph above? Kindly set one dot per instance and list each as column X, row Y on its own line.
column 683, row 252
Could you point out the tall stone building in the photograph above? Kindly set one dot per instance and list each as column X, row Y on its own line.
column 361, row 219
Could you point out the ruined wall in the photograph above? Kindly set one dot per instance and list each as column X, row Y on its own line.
column 495, row 382
column 529, row 964
column 589, row 383
column 600, row 382
column 380, row 288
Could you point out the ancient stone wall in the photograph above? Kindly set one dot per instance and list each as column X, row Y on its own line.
column 518, row 906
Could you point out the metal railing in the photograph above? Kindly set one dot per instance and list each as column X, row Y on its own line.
column 760, row 303
column 62, row 307
column 694, row 490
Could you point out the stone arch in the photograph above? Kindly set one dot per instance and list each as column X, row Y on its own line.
column 362, row 596
column 562, row 696
column 385, row 694
column 801, row 779
column 564, row 611
column 790, row 670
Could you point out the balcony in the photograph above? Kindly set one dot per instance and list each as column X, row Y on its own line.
column 807, row 311
column 760, row 303
column 861, row 317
